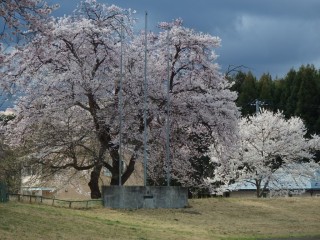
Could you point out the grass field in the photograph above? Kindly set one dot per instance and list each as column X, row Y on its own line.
column 214, row 218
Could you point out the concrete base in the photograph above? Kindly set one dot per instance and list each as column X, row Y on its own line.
column 133, row 197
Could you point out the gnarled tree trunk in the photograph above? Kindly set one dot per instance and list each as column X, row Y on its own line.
column 94, row 182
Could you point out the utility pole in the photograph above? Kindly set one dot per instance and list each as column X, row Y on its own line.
column 145, row 134
column 257, row 106
column 257, row 103
column 167, row 116
column 120, row 103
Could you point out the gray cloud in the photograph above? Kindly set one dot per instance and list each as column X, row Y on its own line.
column 266, row 36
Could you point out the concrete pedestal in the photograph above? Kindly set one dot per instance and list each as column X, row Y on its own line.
column 133, row 197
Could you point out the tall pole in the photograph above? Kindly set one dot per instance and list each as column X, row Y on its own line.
column 167, row 116
column 145, row 136
column 257, row 106
column 120, row 103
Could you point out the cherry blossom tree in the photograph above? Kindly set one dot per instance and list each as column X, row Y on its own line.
column 20, row 20
column 267, row 142
column 17, row 17
column 69, row 115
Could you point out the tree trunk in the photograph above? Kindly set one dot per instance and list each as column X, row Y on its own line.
column 264, row 189
column 258, row 185
column 125, row 176
column 115, row 171
column 114, row 180
column 94, row 182
column 114, row 153
column 260, row 190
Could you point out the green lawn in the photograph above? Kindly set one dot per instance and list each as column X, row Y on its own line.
column 215, row 218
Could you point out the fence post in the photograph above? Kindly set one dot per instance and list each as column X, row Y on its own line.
column 22, row 198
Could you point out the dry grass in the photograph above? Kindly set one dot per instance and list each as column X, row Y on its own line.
column 215, row 218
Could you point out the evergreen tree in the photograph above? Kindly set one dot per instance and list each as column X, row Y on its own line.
column 266, row 87
column 266, row 90
column 292, row 82
column 248, row 93
column 297, row 94
column 279, row 97
column 308, row 101
column 237, row 80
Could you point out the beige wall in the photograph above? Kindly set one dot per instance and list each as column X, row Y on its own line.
column 81, row 190
column 70, row 191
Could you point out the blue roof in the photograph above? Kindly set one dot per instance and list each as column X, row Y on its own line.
column 282, row 180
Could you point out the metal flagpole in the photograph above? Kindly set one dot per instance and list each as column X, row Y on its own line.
column 167, row 117
column 145, row 136
column 120, row 103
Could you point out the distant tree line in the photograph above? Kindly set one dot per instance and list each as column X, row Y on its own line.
column 296, row 94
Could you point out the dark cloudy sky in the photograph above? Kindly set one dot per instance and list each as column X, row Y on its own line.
column 263, row 35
